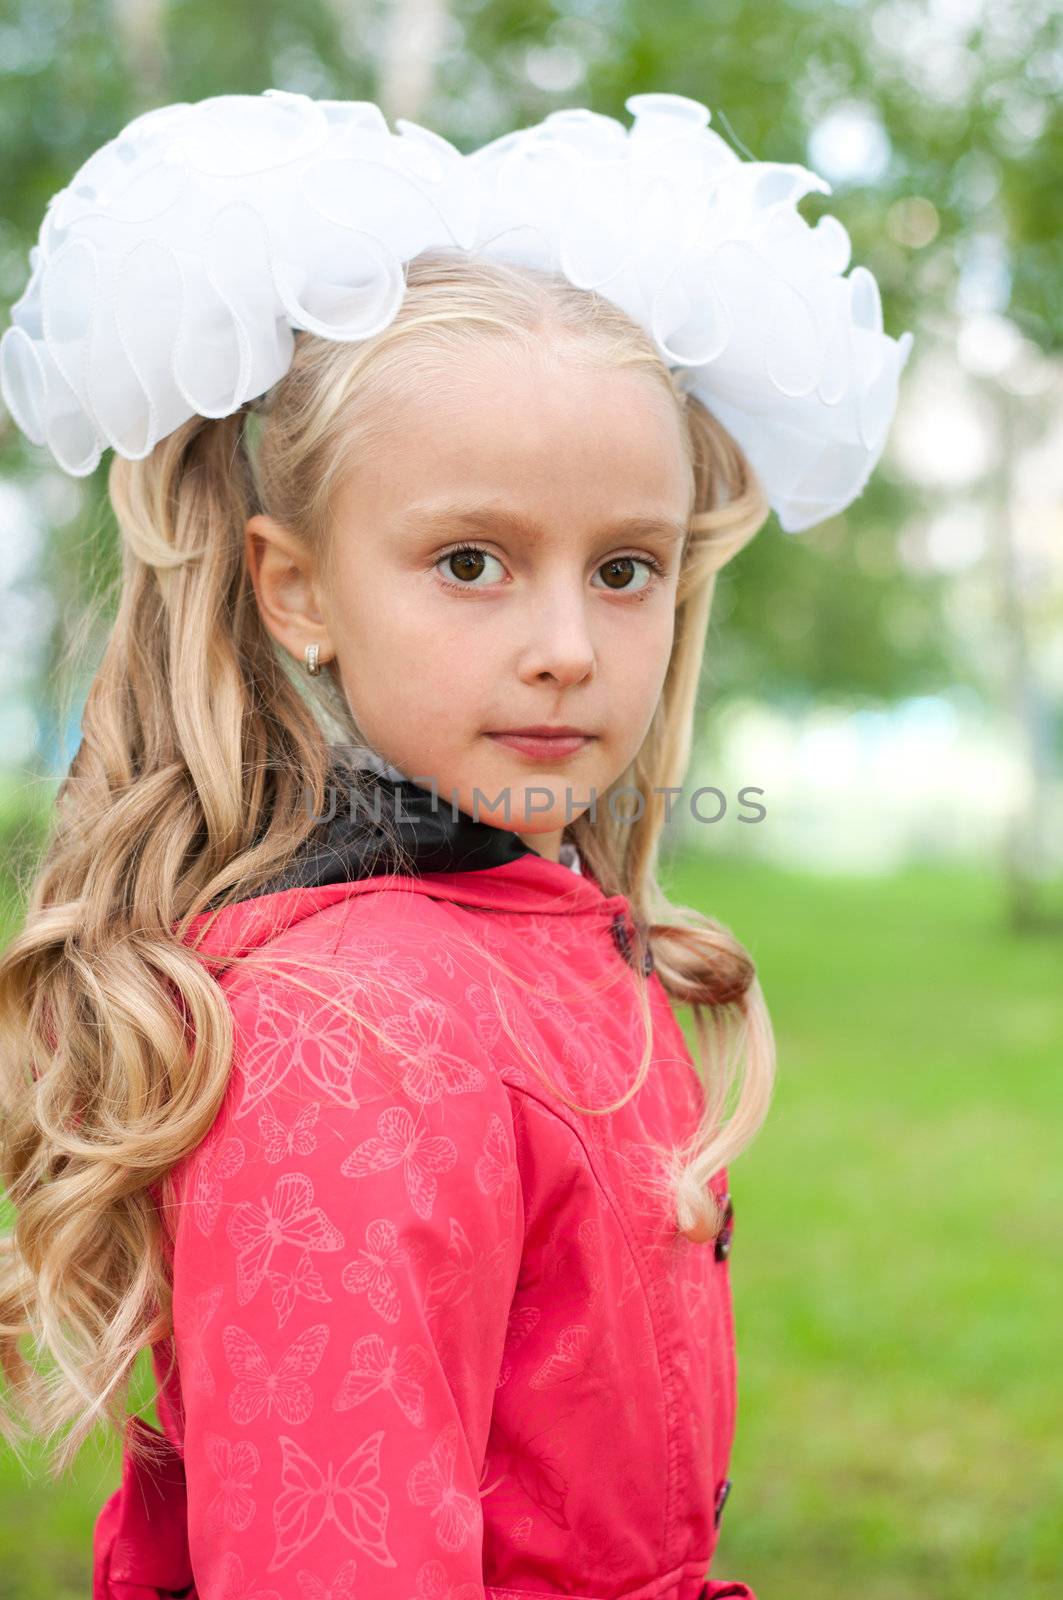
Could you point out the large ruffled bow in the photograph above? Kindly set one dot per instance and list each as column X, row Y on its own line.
column 170, row 273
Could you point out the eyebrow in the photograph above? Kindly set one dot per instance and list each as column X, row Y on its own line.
column 480, row 516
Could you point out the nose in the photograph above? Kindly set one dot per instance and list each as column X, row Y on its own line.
column 559, row 644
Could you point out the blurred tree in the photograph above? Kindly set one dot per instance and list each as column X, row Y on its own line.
column 941, row 125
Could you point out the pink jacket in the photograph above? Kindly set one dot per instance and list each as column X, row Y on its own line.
column 436, row 1335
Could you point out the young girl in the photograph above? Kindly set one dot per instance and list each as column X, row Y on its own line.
column 339, row 1059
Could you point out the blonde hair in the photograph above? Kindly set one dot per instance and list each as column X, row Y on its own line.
column 188, row 792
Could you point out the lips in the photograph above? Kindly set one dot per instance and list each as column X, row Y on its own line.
column 544, row 730
column 553, row 747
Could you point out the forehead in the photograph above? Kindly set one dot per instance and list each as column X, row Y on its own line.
column 547, row 438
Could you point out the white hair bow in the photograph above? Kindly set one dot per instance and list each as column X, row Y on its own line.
column 171, row 271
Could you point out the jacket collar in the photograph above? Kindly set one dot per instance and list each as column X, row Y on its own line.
column 349, row 842
column 450, row 856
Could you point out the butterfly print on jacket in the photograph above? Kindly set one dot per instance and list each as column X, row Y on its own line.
column 429, row 1068
column 375, row 1368
column 280, row 1141
column 261, row 1388
column 348, row 1495
column 397, row 1139
column 217, row 1161
column 288, row 1217
column 303, row 1282
column 457, row 1516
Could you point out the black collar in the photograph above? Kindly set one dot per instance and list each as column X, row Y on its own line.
column 349, row 843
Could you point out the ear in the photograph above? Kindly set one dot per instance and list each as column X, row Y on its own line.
column 285, row 583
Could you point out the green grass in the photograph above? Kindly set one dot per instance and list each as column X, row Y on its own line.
column 896, row 1259
column 897, row 1255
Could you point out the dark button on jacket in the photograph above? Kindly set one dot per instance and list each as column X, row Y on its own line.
column 622, row 935
column 723, row 1238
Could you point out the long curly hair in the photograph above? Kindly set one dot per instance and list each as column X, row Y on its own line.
column 199, row 747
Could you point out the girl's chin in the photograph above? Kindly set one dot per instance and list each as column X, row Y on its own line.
column 521, row 802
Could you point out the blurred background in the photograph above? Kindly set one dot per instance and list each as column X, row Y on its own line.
column 889, row 683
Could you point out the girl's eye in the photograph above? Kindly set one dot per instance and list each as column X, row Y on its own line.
column 466, row 564
column 618, row 568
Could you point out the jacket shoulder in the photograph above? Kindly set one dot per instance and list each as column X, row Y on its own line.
column 368, row 995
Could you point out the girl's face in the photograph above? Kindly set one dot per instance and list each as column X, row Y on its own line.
column 571, row 493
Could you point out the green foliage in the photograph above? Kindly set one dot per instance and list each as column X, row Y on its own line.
column 799, row 616
column 986, row 155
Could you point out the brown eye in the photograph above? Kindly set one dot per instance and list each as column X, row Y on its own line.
column 466, row 564
column 619, row 570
